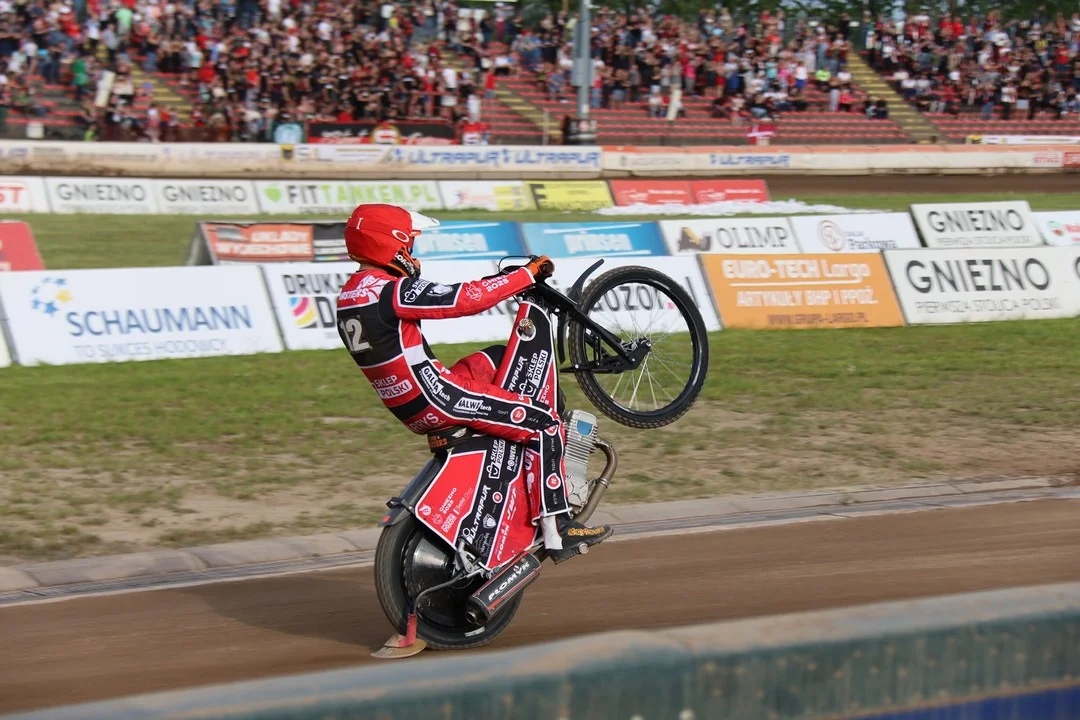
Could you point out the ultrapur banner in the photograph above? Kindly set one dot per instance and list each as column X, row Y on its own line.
column 977, row 224
column 937, row 286
column 84, row 316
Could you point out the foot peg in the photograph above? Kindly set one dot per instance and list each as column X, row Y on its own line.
column 506, row 584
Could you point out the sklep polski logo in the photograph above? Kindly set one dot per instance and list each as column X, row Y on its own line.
column 50, row 296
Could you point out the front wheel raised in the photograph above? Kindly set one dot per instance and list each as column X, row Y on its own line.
column 642, row 308
column 408, row 559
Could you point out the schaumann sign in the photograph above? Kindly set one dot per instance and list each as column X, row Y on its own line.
column 982, row 284
column 981, row 224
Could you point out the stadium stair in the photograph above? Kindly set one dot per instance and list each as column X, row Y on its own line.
column 162, row 93
column 918, row 128
column 513, row 121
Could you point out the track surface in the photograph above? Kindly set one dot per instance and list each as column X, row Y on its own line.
column 107, row 646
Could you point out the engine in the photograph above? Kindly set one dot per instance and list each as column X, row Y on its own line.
column 580, row 445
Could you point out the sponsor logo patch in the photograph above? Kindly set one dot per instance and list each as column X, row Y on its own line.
column 517, row 415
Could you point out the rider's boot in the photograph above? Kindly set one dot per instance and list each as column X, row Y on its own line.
column 572, row 538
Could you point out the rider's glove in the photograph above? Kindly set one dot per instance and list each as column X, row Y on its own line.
column 541, row 267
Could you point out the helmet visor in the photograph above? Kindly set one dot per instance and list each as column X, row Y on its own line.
column 420, row 223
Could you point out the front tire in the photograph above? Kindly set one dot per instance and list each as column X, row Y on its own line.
column 408, row 559
column 620, row 289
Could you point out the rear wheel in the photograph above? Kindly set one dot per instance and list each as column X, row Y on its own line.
column 644, row 309
column 409, row 559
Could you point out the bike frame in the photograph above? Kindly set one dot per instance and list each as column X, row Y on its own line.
column 566, row 307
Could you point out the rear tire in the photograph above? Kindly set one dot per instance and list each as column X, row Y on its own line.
column 396, row 555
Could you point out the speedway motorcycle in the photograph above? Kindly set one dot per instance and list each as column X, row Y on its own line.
column 458, row 546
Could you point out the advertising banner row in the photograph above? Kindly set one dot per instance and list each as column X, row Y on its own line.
column 87, row 316
column 350, row 160
column 147, row 196
column 1003, row 224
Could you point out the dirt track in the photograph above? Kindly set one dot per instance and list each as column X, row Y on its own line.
column 784, row 186
column 107, row 646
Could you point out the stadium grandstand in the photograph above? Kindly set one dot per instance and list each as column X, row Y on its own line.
column 203, row 70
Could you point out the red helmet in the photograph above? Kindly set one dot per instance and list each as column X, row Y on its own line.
column 383, row 235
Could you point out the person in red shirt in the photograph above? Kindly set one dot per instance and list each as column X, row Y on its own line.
column 379, row 311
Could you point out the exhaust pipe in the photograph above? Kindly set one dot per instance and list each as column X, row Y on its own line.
column 506, row 584
column 601, row 484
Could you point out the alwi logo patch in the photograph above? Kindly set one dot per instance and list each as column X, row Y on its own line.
column 303, row 311
column 50, row 296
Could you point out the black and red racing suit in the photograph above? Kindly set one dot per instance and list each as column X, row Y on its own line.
column 379, row 318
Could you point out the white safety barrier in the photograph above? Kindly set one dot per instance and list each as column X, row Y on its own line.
column 339, row 197
column 494, row 195
column 977, row 224
column 5, row 355
column 80, row 316
column 250, row 160
column 23, row 195
column 205, row 197
column 937, row 286
column 729, row 235
column 854, row 233
column 1059, row 228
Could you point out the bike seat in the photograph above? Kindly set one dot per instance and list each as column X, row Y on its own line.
column 447, row 438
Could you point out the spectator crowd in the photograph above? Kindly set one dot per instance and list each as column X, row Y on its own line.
column 1017, row 69
column 250, row 65
column 754, row 70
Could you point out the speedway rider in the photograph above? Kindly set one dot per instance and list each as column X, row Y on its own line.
column 379, row 312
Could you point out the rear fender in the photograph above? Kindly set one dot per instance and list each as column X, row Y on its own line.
column 404, row 504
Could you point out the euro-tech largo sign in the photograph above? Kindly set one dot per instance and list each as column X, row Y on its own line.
column 980, row 224
column 85, row 316
column 985, row 284
column 802, row 291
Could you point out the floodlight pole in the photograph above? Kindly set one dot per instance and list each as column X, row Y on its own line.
column 582, row 76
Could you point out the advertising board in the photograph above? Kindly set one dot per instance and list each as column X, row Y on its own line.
column 571, row 194
column 469, row 240
column 1059, row 228
column 519, row 159
column 18, row 251
column 22, row 195
column 976, row 224
column 985, row 284
column 729, row 235
column 802, row 291
column 493, row 195
column 330, row 197
column 112, row 195
column 205, row 197
column 854, row 233
column 405, row 132
column 86, row 316
column 651, row 192
column 559, row 240
column 258, row 242
column 710, row 191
